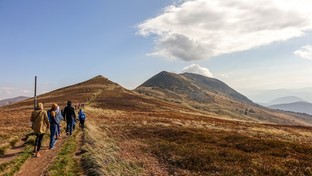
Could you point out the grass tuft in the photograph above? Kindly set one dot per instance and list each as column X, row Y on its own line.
column 3, row 149
column 89, row 165
column 13, row 141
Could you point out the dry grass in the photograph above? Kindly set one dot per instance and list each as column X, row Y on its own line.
column 185, row 143
column 211, row 152
column 191, row 143
column 103, row 153
column 131, row 134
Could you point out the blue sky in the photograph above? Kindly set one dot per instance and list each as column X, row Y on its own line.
column 66, row 42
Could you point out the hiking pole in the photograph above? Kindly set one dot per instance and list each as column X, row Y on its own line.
column 35, row 94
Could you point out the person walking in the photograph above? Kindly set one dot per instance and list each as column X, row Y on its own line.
column 53, row 125
column 82, row 118
column 40, row 123
column 70, row 117
column 58, row 119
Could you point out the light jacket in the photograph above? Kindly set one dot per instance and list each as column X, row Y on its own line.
column 59, row 116
column 40, row 121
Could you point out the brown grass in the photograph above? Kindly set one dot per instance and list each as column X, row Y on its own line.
column 185, row 143
column 103, row 153
column 131, row 134
column 211, row 152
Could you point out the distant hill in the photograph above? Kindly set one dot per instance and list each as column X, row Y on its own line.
column 12, row 100
column 285, row 100
column 191, row 86
column 212, row 96
column 302, row 107
column 268, row 95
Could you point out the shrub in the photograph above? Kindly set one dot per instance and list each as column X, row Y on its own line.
column 3, row 149
column 14, row 140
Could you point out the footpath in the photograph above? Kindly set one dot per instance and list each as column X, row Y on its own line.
column 38, row 166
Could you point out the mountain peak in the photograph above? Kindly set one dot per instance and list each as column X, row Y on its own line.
column 193, row 86
column 99, row 77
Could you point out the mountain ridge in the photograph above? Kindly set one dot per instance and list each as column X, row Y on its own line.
column 209, row 95
column 285, row 100
column 101, row 92
column 299, row 107
column 9, row 101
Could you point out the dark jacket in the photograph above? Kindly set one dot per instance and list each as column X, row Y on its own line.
column 69, row 113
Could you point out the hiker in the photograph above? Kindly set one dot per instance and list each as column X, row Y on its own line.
column 58, row 119
column 70, row 117
column 53, row 125
column 40, row 123
column 82, row 118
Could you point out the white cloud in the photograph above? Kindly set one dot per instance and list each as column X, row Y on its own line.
column 305, row 52
column 224, row 75
column 25, row 91
column 199, row 29
column 195, row 68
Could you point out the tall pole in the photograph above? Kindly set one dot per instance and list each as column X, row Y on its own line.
column 35, row 93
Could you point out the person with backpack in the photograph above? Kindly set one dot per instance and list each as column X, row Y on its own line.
column 82, row 118
column 53, row 125
column 40, row 123
column 70, row 117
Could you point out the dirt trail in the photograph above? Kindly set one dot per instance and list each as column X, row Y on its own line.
column 38, row 166
column 12, row 152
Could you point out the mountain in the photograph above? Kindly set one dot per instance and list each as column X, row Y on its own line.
column 211, row 96
column 12, row 100
column 191, row 86
column 215, row 86
column 301, row 107
column 269, row 95
column 285, row 100
column 97, row 92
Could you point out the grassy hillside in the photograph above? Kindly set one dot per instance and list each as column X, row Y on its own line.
column 182, row 143
column 128, row 133
column 208, row 95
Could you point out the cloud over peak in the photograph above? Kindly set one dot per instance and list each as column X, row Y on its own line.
column 195, row 68
column 200, row 29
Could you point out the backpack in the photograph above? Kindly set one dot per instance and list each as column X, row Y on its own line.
column 82, row 115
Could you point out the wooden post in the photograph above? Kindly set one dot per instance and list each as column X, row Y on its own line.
column 35, row 93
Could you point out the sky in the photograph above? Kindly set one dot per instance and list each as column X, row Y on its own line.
column 250, row 45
